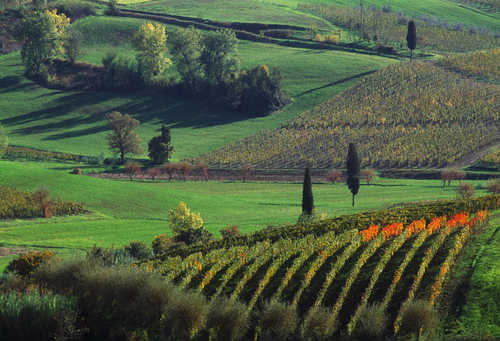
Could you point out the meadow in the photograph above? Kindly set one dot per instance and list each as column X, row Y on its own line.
column 286, row 12
column 73, row 121
column 122, row 211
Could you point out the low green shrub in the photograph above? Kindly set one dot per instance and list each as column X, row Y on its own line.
column 277, row 321
column 418, row 318
column 185, row 315
column 318, row 325
column 74, row 9
column 372, row 323
column 138, row 250
column 228, row 319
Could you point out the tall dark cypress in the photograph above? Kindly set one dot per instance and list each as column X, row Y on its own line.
column 411, row 37
column 307, row 195
column 353, row 170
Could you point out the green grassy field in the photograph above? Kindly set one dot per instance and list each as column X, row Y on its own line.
column 481, row 312
column 72, row 121
column 122, row 211
column 284, row 11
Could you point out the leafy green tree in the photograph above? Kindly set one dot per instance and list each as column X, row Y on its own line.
column 123, row 139
column 219, row 56
column 181, row 219
column 160, row 147
column 307, row 195
column 353, row 170
column 151, row 44
column 411, row 37
column 186, row 48
column 72, row 44
column 42, row 33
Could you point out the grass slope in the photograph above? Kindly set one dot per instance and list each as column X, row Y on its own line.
column 72, row 121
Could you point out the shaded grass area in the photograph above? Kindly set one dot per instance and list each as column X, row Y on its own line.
column 73, row 121
column 480, row 314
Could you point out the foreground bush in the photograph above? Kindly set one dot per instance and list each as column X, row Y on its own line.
column 35, row 317
column 372, row 323
column 228, row 319
column 419, row 317
column 278, row 321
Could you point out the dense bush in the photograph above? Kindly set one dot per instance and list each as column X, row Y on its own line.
column 493, row 186
column 25, row 264
column 17, row 204
column 419, row 317
column 74, row 9
column 358, row 221
column 138, row 250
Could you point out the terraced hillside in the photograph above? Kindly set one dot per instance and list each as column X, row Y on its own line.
column 418, row 114
column 343, row 272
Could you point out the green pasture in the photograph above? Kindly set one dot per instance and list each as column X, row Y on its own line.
column 122, row 211
column 479, row 315
column 73, row 121
column 285, row 11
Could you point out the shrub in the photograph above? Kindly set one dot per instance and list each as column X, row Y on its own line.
column 42, row 198
column 318, row 325
column 138, row 250
column 368, row 175
column 371, row 324
column 228, row 319
column 246, row 170
column 154, row 172
column 133, row 169
column 185, row 315
column 493, row 186
column 35, row 317
column 418, row 317
column 77, row 171
column 74, row 9
column 108, row 256
column 230, row 232
column 334, row 176
column 193, row 235
column 203, row 167
column 278, row 321
column 160, row 244
column 465, row 191
column 25, row 264
column 182, row 219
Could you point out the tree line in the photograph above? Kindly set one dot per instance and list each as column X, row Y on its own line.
column 207, row 62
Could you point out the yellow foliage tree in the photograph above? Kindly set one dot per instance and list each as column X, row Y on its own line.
column 181, row 218
column 151, row 43
column 59, row 24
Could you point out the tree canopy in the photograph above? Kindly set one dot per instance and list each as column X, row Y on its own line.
column 123, row 139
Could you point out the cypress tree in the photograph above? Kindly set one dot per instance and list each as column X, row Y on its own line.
column 307, row 195
column 411, row 37
column 353, row 170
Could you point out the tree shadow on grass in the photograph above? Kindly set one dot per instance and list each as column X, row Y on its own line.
column 83, row 108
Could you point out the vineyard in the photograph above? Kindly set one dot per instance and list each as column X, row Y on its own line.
column 434, row 34
column 407, row 115
column 342, row 272
column 482, row 64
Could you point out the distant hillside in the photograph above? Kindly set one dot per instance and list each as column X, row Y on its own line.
column 418, row 114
